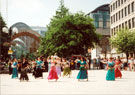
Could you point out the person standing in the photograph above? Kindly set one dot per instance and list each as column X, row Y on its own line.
column 110, row 76
column 83, row 71
column 52, row 73
column 67, row 70
column 9, row 66
column 58, row 67
column 15, row 71
column 117, row 68
column 24, row 67
column 39, row 64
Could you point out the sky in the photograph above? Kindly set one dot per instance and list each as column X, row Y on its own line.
column 39, row 12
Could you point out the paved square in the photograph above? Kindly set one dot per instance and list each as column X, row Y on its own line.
column 96, row 84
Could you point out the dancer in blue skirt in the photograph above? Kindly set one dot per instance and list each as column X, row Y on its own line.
column 110, row 76
column 15, row 71
column 83, row 71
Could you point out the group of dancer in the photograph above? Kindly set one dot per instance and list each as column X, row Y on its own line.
column 55, row 66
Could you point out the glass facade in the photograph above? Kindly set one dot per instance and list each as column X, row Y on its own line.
column 101, row 17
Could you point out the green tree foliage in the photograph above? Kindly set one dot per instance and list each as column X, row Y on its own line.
column 124, row 41
column 68, row 34
column 4, row 37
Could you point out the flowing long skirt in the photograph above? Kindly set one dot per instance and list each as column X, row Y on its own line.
column 83, row 74
column 24, row 75
column 58, row 70
column 117, row 73
column 38, row 73
column 52, row 74
column 66, row 71
column 14, row 73
column 110, row 74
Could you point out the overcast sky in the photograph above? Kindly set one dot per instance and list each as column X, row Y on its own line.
column 39, row 12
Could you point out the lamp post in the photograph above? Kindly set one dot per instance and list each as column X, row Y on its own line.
column 9, row 32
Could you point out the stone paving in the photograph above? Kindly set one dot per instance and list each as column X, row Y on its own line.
column 96, row 84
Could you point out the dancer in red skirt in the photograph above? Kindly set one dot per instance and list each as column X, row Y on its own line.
column 117, row 69
column 53, row 73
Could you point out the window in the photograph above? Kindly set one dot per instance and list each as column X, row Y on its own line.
column 119, row 27
column 111, row 19
column 125, row 11
column 129, row 9
column 113, row 6
column 116, row 16
column 121, row 1
column 132, row 6
column 126, row 24
column 122, row 13
column 116, row 4
column 122, row 25
column 124, row 0
column 119, row 15
column 129, row 23
column 133, row 22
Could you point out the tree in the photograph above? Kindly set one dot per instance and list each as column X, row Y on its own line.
column 68, row 34
column 124, row 41
column 4, row 37
column 105, row 45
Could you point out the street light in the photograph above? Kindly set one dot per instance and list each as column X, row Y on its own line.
column 9, row 32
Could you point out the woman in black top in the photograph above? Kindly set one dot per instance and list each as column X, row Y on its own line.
column 24, row 68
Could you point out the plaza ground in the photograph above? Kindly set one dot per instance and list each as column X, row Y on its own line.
column 96, row 84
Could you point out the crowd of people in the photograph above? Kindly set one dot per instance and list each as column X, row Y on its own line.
column 57, row 67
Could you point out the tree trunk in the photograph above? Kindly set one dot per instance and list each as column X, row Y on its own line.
column 127, row 54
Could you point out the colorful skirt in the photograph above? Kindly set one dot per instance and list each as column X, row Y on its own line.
column 117, row 73
column 110, row 74
column 58, row 70
column 24, row 75
column 52, row 75
column 66, row 71
column 14, row 73
column 82, row 73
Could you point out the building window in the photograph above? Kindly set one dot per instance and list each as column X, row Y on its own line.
column 111, row 20
column 124, row 0
column 125, row 11
column 119, row 2
column 119, row 27
column 126, row 24
column 133, row 7
column 116, row 16
column 119, row 15
column 129, row 23
column 122, row 25
column 113, row 6
column 133, row 22
column 122, row 13
column 129, row 9
column 116, row 4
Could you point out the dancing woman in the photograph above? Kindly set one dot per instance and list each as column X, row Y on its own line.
column 53, row 73
column 15, row 71
column 67, row 70
column 38, row 72
column 24, row 68
column 83, row 70
column 58, row 67
column 117, row 69
column 110, row 76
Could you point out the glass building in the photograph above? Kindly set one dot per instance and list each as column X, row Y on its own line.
column 101, row 21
